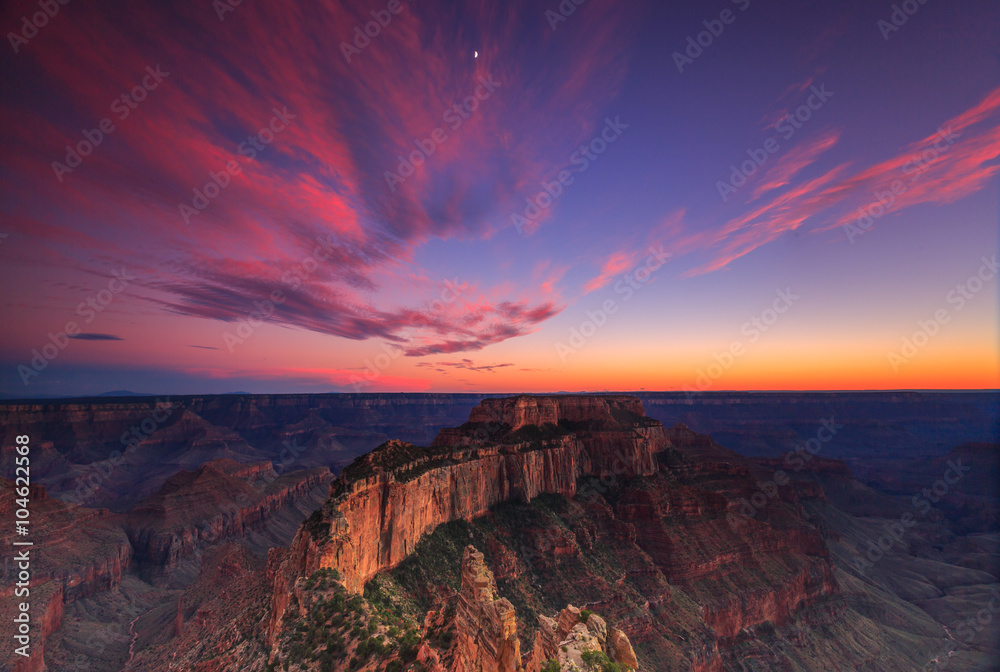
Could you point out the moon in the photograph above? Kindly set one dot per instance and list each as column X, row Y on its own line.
column 475, row 54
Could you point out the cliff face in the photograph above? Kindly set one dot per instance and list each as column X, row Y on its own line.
column 645, row 529
column 526, row 410
column 384, row 503
column 77, row 444
column 378, row 521
column 219, row 500
column 484, row 636
column 515, row 449
column 486, row 626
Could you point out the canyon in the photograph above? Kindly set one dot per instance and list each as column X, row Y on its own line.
column 466, row 546
column 82, row 554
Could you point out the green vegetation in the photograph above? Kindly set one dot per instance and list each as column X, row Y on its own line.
column 536, row 433
column 404, row 460
column 345, row 632
column 423, row 468
column 437, row 560
column 598, row 661
column 551, row 666
column 318, row 522
column 488, row 432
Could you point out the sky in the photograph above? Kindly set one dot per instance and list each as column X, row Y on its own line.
column 498, row 196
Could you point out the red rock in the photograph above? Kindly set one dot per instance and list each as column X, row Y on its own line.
column 565, row 639
column 219, row 500
column 386, row 502
column 620, row 649
column 485, row 625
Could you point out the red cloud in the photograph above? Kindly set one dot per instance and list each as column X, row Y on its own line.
column 322, row 177
column 948, row 172
column 467, row 364
column 614, row 265
column 792, row 163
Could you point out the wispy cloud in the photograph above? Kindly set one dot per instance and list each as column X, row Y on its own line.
column 792, row 163
column 322, row 177
column 466, row 364
column 964, row 168
column 613, row 267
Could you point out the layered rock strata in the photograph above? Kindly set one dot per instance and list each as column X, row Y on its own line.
column 512, row 449
column 486, row 625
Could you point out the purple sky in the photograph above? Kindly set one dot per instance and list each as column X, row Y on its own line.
column 317, row 260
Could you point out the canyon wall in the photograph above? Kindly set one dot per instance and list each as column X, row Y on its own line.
column 81, row 552
column 219, row 500
column 386, row 502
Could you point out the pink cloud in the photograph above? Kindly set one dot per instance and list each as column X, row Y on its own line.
column 323, row 175
column 616, row 264
column 950, row 172
column 792, row 163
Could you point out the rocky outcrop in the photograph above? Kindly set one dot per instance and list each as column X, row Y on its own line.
column 49, row 611
column 669, row 557
column 213, row 617
column 597, row 420
column 77, row 445
column 484, row 633
column 386, row 502
column 620, row 649
column 485, row 626
column 775, row 604
column 568, row 636
column 525, row 410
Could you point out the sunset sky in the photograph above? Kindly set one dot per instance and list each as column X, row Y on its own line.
column 319, row 261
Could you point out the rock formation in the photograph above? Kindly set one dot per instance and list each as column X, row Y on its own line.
column 77, row 553
column 486, row 626
column 385, row 502
column 486, row 638
column 568, row 636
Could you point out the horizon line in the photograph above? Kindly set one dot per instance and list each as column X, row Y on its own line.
column 126, row 394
